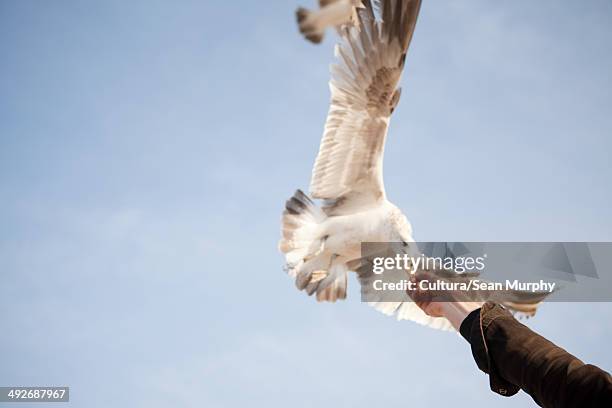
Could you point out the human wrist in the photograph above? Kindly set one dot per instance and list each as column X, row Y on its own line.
column 456, row 312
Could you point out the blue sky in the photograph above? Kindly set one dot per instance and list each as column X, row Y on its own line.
column 147, row 148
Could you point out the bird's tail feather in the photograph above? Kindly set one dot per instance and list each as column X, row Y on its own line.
column 303, row 245
column 299, row 229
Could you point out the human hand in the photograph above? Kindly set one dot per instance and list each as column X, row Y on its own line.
column 428, row 300
column 452, row 305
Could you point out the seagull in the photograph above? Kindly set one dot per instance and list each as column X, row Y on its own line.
column 331, row 13
column 322, row 243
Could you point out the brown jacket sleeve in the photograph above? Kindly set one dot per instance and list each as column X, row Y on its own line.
column 517, row 358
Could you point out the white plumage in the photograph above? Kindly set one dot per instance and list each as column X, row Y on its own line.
column 322, row 244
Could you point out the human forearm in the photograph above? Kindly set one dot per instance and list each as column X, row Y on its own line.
column 516, row 357
column 456, row 312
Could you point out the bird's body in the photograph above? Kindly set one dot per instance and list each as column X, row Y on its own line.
column 381, row 223
column 331, row 13
column 323, row 243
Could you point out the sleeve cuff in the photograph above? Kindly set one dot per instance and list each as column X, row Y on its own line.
column 466, row 326
column 478, row 328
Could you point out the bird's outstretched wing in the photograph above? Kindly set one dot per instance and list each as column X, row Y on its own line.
column 364, row 93
column 399, row 303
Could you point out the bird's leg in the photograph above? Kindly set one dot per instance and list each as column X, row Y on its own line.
column 322, row 274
